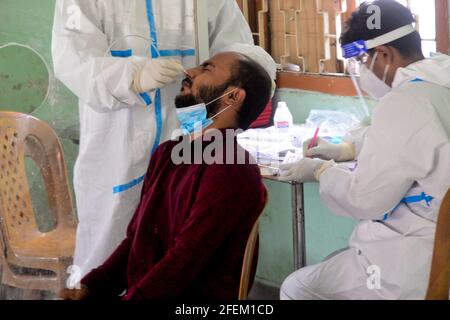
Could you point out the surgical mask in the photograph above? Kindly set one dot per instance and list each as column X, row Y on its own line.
column 371, row 84
column 195, row 118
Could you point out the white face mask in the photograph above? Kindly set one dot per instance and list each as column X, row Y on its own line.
column 371, row 84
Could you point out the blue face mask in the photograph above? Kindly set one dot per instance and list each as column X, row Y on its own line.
column 195, row 118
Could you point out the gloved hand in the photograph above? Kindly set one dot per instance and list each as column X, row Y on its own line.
column 328, row 151
column 305, row 170
column 156, row 74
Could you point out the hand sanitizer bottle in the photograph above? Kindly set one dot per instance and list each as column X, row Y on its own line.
column 283, row 118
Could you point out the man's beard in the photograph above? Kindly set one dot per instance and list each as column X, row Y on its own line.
column 206, row 94
column 186, row 100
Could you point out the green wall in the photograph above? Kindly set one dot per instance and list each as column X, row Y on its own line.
column 30, row 23
column 24, row 82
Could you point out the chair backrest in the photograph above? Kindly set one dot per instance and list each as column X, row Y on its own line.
column 23, row 136
column 248, row 258
column 439, row 283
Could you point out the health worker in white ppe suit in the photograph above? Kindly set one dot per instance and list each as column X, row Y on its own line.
column 126, row 100
column 403, row 167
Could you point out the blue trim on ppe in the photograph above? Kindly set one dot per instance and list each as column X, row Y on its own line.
column 417, row 80
column 152, row 24
column 154, row 52
column 178, row 53
column 419, row 198
column 159, row 120
column 126, row 54
column 158, row 107
column 128, row 186
column 122, row 53
column 146, row 98
column 354, row 49
column 410, row 199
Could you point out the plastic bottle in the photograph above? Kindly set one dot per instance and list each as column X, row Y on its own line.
column 283, row 118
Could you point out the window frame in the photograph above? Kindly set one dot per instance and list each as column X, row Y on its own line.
column 340, row 84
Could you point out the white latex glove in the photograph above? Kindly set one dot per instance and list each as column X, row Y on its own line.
column 328, row 151
column 156, row 74
column 305, row 170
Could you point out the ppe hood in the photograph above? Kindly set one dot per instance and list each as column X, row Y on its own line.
column 435, row 70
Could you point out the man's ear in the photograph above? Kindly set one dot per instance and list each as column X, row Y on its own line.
column 386, row 55
column 392, row 57
column 236, row 97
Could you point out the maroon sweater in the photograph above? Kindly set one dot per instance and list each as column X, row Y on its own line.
column 187, row 238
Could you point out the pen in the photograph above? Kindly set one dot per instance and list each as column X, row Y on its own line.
column 314, row 139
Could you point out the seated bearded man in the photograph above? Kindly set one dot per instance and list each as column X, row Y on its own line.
column 188, row 236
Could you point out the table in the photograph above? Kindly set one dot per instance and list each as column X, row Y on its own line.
column 298, row 220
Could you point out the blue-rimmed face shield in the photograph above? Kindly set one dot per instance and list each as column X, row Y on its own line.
column 357, row 56
column 354, row 49
column 357, row 53
column 354, row 64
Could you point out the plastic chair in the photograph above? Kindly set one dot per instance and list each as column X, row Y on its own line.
column 438, row 288
column 247, row 264
column 33, row 260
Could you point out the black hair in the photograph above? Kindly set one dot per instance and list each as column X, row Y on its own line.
column 246, row 74
column 393, row 16
column 257, row 84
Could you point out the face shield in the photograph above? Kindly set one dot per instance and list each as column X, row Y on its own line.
column 357, row 50
column 364, row 80
column 354, row 64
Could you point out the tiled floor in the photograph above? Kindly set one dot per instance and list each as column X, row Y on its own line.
column 258, row 292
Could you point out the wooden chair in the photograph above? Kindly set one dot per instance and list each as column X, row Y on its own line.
column 32, row 260
column 247, row 264
column 438, row 288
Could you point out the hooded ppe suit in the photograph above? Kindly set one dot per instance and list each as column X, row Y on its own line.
column 120, row 128
column 402, row 176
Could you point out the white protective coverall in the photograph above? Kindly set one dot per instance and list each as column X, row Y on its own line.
column 402, row 176
column 120, row 128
